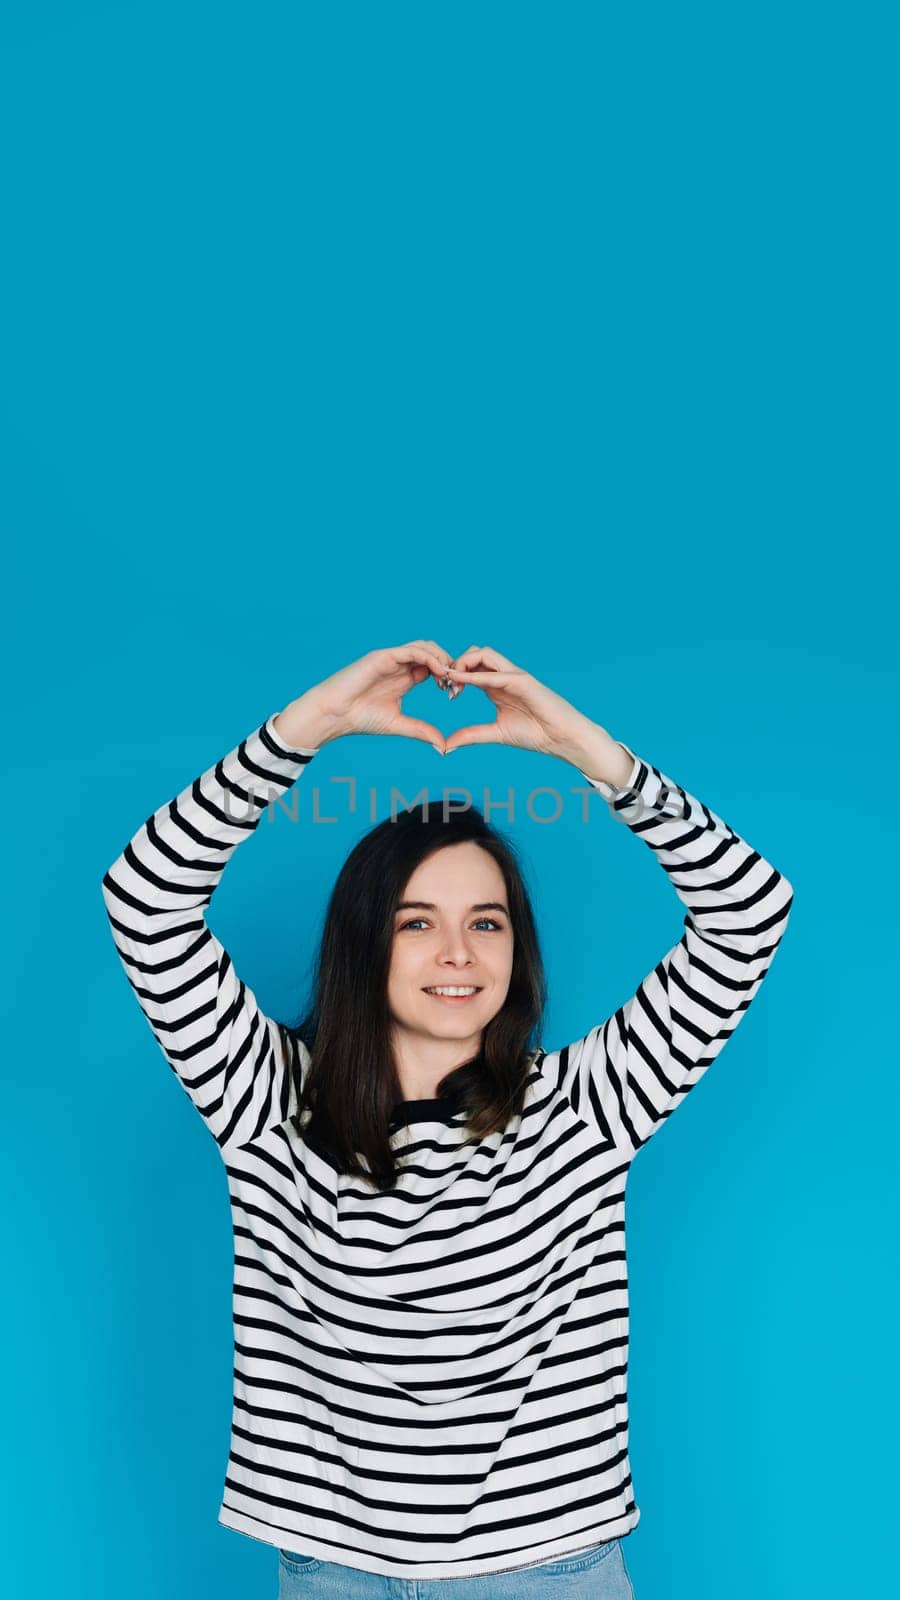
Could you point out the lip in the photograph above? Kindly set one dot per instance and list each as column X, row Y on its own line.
column 454, row 999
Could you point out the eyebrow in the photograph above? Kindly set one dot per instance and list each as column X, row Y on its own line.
column 426, row 905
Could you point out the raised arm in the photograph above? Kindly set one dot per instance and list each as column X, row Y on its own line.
column 633, row 1070
column 238, row 1067
column 229, row 1057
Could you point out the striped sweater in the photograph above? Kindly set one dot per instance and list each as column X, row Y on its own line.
column 432, row 1382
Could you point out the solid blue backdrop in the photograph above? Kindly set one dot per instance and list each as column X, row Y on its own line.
column 570, row 330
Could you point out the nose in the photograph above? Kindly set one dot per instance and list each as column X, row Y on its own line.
column 455, row 951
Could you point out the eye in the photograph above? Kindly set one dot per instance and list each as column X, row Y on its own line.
column 414, row 920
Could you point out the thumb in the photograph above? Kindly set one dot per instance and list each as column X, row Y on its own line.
column 412, row 728
column 476, row 733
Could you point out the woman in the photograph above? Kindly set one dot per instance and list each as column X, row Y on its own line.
column 430, row 1288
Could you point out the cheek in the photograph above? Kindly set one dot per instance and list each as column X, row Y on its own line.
column 499, row 967
column 402, row 969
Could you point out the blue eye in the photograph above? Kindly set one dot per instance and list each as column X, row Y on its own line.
column 413, row 920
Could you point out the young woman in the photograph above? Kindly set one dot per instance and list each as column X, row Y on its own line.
column 430, row 1288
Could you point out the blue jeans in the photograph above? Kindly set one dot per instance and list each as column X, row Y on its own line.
column 598, row 1573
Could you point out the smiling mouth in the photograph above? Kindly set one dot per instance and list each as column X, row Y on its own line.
column 453, row 999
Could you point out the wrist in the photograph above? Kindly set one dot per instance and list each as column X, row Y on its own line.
column 594, row 751
column 303, row 724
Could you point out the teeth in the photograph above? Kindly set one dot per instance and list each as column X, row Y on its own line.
column 448, row 989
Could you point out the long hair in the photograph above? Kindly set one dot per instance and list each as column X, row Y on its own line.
column 351, row 1085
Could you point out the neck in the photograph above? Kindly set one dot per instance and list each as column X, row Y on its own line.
column 421, row 1062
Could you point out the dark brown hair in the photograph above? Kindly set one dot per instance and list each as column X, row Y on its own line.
column 351, row 1085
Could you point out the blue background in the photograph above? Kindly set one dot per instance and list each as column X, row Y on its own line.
column 569, row 329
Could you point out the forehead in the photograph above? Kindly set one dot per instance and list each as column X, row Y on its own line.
column 456, row 872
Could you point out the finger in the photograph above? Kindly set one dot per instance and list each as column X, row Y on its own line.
column 413, row 728
column 428, row 650
column 440, row 652
column 467, row 655
column 445, row 658
column 478, row 675
column 477, row 733
column 419, row 654
column 469, row 658
column 484, row 655
column 436, row 649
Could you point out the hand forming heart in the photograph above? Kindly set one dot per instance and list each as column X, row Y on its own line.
column 367, row 697
column 529, row 715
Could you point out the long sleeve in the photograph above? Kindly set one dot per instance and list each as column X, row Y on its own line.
column 229, row 1057
column 634, row 1069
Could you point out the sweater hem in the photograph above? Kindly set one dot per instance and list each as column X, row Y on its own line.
column 570, row 1544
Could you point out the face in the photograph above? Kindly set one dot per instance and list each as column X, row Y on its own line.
column 452, row 928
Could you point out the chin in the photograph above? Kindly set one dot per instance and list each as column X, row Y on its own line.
column 466, row 1024
column 462, row 1026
